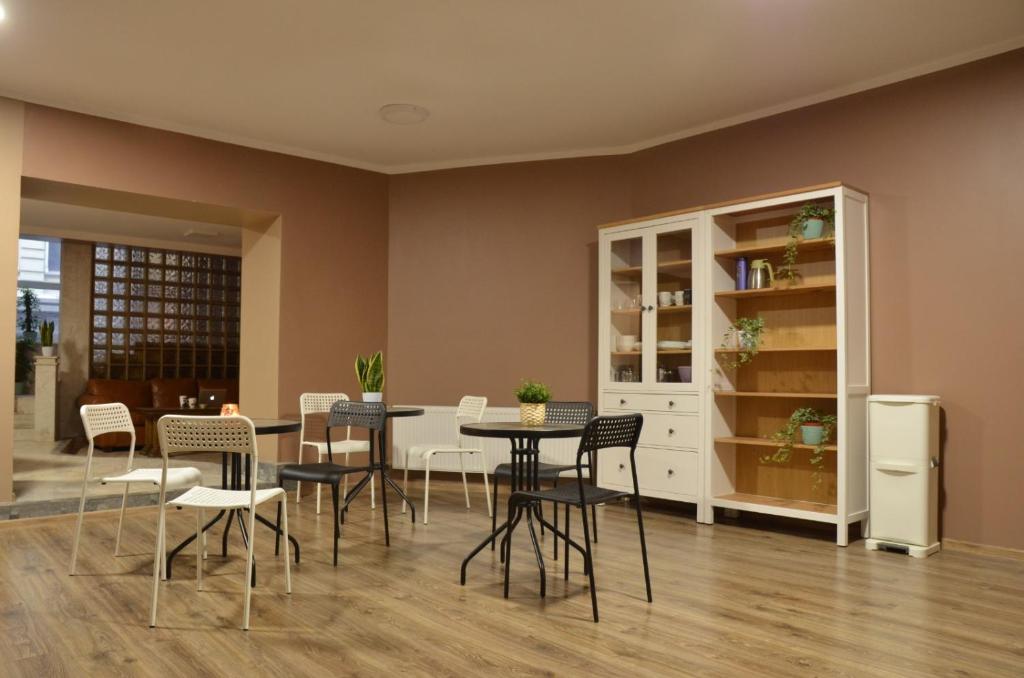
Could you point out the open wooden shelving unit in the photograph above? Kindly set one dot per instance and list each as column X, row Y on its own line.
column 804, row 361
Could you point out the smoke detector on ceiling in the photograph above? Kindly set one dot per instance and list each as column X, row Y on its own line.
column 403, row 114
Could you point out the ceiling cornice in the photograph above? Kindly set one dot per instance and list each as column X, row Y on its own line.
column 239, row 140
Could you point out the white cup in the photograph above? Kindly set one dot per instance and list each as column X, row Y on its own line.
column 183, row 401
column 678, row 298
column 664, row 298
column 626, row 342
column 192, row 403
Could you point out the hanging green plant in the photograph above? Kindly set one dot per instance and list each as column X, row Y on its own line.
column 745, row 335
column 814, row 428
column 812, row 221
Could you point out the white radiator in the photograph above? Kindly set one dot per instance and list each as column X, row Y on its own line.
column 437, row 425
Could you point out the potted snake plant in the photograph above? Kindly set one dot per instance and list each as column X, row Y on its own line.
column 46, row 338
column 370, row 373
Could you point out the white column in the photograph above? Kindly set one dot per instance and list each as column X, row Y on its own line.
column 46, row 398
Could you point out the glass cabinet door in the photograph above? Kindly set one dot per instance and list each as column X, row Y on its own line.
column 674, row 335
column 626, row 304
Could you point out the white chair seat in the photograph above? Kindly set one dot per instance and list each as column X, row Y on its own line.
column 422, row 450
column 177, row 477
column 343, row 446
column 213, row 497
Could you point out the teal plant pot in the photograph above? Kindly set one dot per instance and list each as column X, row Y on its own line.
column 813, row 228
column 812, row 435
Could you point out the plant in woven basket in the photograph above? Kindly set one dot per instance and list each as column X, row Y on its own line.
column 815, row 428
column 809, row 222
column 745, row 335
column 533, row 397
column 370, row 373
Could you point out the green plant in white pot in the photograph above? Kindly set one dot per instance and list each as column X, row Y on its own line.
column 533, row 397
column 743, row 334
column 370, row 373
column 811, row 222
column 46, row 337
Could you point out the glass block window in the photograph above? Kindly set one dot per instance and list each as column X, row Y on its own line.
column 158, row 313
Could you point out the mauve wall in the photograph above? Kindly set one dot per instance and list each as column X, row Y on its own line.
column 334, row 237
column 493, row 269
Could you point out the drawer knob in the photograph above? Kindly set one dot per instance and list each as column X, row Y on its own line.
column 671, row 431
column 671, row 403
column 622, row 466
column 622, row 401
column 671, row 472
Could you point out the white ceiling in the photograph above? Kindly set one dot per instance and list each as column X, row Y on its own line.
column 504, row 80
column 42, row 217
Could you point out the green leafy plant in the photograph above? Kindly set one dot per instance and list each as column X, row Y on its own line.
column 28, row 317
column 788, row 434
column 809, row 211
column 747, row 331
column 370, row 372
column 533, row 392
column 46, row 333
column 22, row 361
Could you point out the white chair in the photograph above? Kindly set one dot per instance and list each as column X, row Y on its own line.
column 320, row 403
column 115, row 418
column 236, row 434
column 471, row 410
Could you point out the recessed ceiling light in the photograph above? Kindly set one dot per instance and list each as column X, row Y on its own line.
column 403, row 114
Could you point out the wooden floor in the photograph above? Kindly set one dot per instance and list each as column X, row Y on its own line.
column 728, row 601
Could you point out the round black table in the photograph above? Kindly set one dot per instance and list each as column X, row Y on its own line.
column 525, row 458
column 262, row 426
column 381, row 466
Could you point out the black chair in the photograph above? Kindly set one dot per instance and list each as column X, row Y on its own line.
column 602, row 432
column 555, row 412
column 370, row 416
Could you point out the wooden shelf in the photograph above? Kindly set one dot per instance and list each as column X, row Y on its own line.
column 625, row 311
column 675, row 309
column 627, row 353
column 662, row 266
column 675, row 351
column 791, row 508
column 766, row 394
column 765, row 442
column 777, row 291
column 774, row 246
column 780, row 349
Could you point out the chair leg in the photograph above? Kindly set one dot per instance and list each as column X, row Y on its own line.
column 487, row 490
column 78, row 530
column 593, row 511
column 249, row 564
column 157, row 557
column 277, row 523
column 287, row 545
column 320, row 459
column 554, row 521
column 298, row 483
column 465, row 485
column 344, row 480
column 405, row 479
column 120, row 520
column 426, row 487
column 337, row 525
column 163, row 547
column 494, row 513
column 568, row 513
column 643, row 547
column 199, row 549
column 384, row 501
column 590, row 561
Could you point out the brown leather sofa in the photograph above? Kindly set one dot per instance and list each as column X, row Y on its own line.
column 151, row 393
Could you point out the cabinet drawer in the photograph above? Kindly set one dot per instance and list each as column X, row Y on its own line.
column 658, row 471
column 619, row 401
column 671, row 430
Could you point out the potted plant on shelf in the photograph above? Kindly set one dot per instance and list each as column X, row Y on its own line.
column 815, row 428
column 46, row 338
column 370, row 373
column 533, row 397
column 743, row 334
column 809, row 223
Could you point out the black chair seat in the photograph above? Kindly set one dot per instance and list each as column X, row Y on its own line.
column 569, row 493
column 317, row 473
column 544, row 471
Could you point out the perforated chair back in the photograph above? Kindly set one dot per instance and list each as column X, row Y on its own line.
column 361, row 415
column 181, row 434
column 471, row 411
column 315, row 403
column 106, row 418
column 568, row 412
column 616, row 431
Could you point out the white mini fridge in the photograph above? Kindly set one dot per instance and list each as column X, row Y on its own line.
column 903, row 446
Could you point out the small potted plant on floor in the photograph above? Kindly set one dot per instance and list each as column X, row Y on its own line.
column 809, row 223
column 743, row 334
column 533, row 397
column 815, row 429
column 370, row 373
column 46, row 338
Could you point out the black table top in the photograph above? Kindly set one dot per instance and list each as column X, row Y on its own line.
column 515, row 429
column 270, row 426
column 404, row 411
